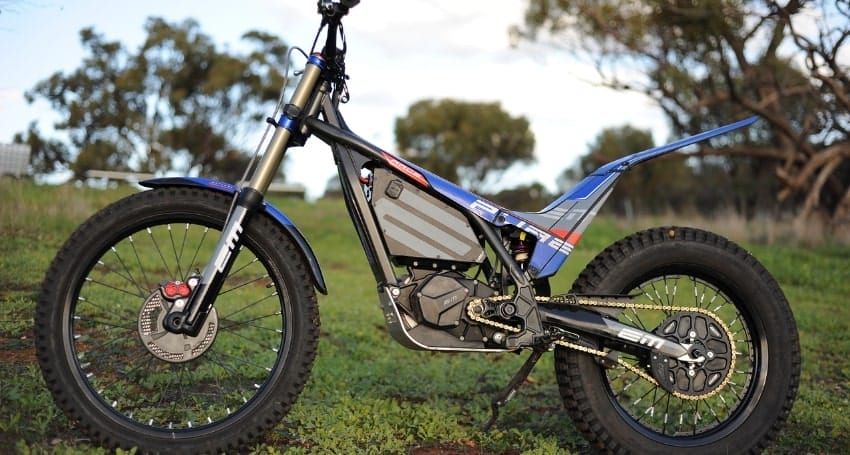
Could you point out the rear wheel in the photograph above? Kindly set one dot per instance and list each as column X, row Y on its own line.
column 112, row 367
column 698, row 289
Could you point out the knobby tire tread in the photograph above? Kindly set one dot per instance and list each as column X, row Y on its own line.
column 229, row 439
column 571, row 366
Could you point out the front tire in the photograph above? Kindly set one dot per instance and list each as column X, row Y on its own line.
column 621, row 412
column 97, row 331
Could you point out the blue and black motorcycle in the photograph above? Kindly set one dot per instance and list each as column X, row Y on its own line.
column 184, row 318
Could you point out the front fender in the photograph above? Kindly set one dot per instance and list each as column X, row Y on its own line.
column 282, row 220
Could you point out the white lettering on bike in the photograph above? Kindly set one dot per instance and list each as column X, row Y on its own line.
column 645, row 339
column 480, row 205
column 229, row 246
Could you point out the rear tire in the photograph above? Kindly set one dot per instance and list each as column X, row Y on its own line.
column 91, row 324
column 620, row 412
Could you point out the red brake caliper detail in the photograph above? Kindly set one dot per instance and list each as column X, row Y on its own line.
column 174, row 290
column 163, row 344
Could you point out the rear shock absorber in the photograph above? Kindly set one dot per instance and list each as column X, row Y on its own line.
column 521, row 249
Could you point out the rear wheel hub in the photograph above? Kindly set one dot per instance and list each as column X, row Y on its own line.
column 705, row 338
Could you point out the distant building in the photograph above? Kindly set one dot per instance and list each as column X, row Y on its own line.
column 14, row 159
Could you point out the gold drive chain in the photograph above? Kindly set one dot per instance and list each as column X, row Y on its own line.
column 475, row 311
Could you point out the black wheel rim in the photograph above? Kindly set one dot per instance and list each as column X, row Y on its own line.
column 650, row 408
column 251, row 342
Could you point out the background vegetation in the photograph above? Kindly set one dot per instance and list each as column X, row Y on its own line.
column 704, row 62
column 174, row 102
column 370, row 395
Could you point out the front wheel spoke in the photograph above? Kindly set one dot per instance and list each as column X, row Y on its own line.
column 141, row 293
column 106, row 323
column 197, row 249
column 235, row 272
column 138, row 259
column 241, row 285
column 253, row 341
column 242, row 361
column 136, row 386
column 84, row 302
column 174, row 250
column 249, row 323
column 159, row 251
column 237, row 374
column 132, row 279
column 252, row 304
column 106, row 270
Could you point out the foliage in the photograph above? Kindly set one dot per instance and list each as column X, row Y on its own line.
column 173, row 103
column 675, row 182
column 649, row 188
column 368, row 394
column 470, row 143
column 708, row 62
column 530, row 197
column 46, row 155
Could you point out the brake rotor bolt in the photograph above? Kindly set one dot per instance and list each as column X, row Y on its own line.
column 692, row 334
column 709, row 354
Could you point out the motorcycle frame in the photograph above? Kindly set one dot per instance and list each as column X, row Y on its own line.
column 312, row 110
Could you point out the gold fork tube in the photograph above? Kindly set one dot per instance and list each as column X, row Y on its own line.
column 270, row 162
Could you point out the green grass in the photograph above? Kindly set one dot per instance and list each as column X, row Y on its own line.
column 368, row 394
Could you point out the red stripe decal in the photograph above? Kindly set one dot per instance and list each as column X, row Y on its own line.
column 405, row 169
column 570, row 237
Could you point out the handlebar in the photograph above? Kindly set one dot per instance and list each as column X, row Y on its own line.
column 332, row 12
column 336, row 8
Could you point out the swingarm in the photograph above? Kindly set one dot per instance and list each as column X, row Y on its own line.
column 568, row 312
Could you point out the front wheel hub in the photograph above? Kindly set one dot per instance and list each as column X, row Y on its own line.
column 166, row 345
column 706, row 338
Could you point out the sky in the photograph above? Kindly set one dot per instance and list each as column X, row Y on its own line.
column 399, row 53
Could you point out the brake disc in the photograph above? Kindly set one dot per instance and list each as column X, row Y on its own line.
column 172, row 347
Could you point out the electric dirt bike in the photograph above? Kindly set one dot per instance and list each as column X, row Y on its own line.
column 184, row 318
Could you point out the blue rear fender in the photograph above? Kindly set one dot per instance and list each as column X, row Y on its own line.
column 283, row 221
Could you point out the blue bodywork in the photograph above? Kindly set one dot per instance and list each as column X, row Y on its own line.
column 277, row 215
column 559, row 226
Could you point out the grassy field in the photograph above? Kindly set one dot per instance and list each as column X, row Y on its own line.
column 368, row 394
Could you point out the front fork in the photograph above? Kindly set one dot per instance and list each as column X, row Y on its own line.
column 189, row 318
column 305, row 102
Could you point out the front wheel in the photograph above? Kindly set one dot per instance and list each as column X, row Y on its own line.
column 112, row 367
column 700, row 290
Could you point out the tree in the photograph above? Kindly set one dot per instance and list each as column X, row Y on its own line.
column 46, row 155
column 529, row 197
column 652, row 187
column 174, row 103
column 711, row 61
column 470, row 143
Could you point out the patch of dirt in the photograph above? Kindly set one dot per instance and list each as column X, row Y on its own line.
column 16, row 351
